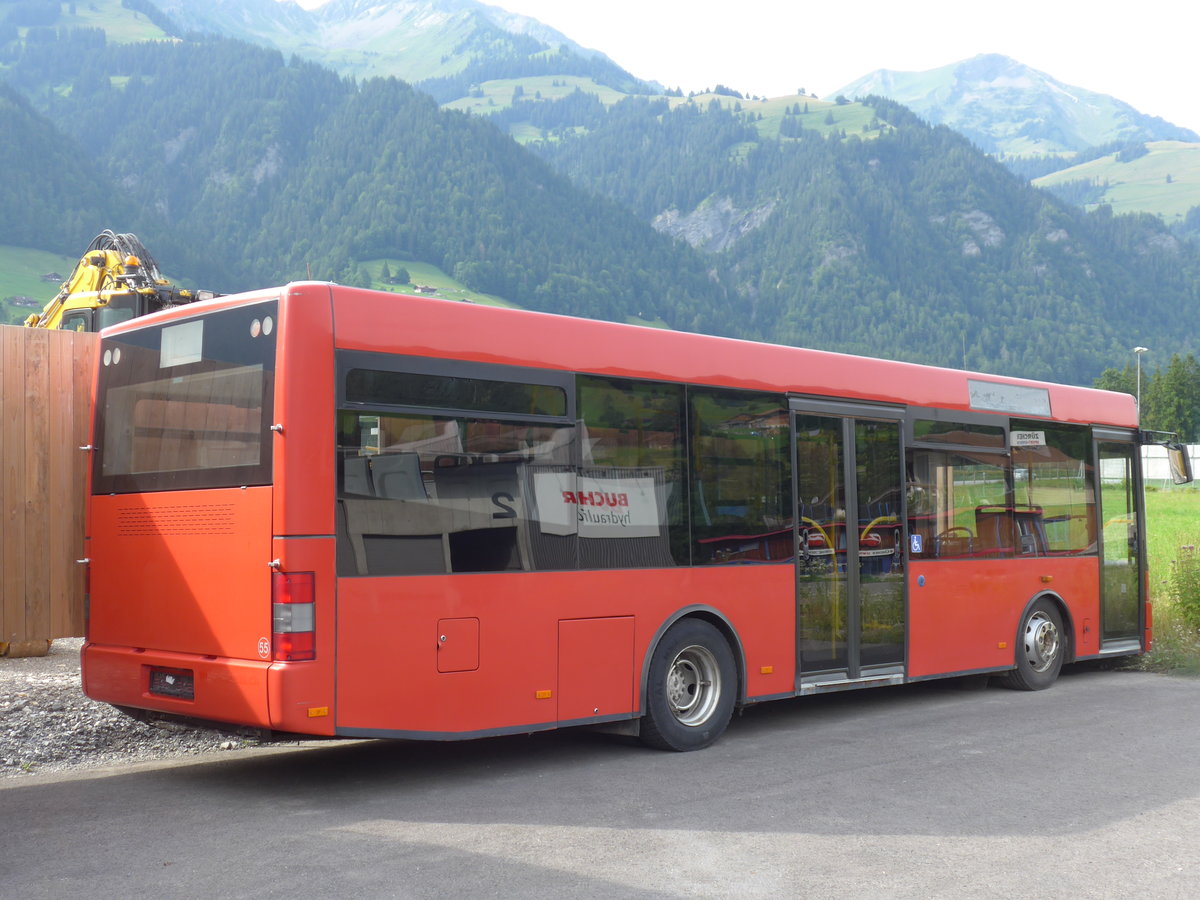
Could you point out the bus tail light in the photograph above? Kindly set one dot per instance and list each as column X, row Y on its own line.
column 293, row 616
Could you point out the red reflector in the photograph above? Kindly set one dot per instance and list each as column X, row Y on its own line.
column 293, row 616
column 293, row 587
column 294, row 646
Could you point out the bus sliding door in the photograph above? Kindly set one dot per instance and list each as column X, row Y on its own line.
column 1121, row 581
column 850, row 548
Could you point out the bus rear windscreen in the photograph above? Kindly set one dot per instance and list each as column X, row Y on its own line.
column 187, row 405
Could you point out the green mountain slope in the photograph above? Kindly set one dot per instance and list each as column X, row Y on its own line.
column 852, row 227
column 912, row 244
column 1163, row 180
column 280, row 169
column 455, row 45
column 1008, row 108
column 122, row 21
column 52, row 190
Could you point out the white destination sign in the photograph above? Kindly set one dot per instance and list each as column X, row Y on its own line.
column 1027, row 439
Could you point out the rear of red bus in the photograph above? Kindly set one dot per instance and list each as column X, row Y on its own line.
column 209, row 596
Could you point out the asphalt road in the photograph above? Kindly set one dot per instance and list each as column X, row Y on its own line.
column 1090, row 789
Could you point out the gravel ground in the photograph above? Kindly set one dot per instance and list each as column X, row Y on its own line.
column 48, row 725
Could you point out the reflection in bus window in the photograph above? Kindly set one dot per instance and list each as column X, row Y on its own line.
column 425, row 494
column 632, row 448
column 200, row 421
column 958, row 505
column 1054, row 492
column 741, row 477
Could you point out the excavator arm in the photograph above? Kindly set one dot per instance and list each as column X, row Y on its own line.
column 115, row 279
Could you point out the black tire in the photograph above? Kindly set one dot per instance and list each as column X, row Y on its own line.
column 691, row 688
column 1041, row 649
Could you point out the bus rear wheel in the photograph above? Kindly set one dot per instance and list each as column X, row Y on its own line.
column 691, row 689
column 1041, row 648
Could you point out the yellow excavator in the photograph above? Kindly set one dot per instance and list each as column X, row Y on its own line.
column 116, row 279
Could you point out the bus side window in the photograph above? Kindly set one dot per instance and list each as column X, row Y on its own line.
column 1055, row 501
column 958, row 505
column 633, row 449
column 423, row 494
column 741, row 477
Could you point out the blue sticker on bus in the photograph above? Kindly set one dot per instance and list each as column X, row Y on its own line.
column 914, row 542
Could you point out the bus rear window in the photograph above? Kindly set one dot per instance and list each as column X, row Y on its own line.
column 194, row 413
column 441, row 392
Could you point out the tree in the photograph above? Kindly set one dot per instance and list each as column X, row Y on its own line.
column 1172, row 402
column 1121, row 380
column 385, row 274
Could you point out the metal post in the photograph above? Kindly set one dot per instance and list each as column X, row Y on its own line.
column 1138, row 351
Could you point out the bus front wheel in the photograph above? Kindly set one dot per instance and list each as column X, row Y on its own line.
column 1041, row 648
column 691, row 689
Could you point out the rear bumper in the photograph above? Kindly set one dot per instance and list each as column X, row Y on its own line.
column 222, row 690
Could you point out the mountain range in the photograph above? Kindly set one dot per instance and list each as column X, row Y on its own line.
column 414, row 40
column 1007, row 108
column 851, row 226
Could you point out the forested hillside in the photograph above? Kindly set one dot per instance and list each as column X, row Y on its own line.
column 892, row 239
column 904, row 241
column 279, row 169
column 52, row 192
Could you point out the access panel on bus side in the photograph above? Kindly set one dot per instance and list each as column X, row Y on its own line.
column 965, row 613
column 528, row 651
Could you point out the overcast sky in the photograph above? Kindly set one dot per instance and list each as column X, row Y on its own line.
column 1142, row 53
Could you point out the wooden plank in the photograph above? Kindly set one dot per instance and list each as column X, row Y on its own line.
column 37, row 484
column 65, row 492
column 58, row 538
column 83, row 357
column 45, row 415
column 12, row 494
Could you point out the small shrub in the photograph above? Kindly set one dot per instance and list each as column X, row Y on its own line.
column 1176, row 646
column 1185, row 587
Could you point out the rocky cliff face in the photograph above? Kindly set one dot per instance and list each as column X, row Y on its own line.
column 713, row 226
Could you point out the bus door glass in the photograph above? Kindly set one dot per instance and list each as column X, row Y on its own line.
column 1121, row 571
column 850, row 547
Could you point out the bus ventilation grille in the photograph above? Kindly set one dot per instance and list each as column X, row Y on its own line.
column 216, row 518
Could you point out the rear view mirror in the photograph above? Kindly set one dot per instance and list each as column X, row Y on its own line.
column 1180, row 463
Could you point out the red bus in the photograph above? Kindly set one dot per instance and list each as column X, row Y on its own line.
column 329, row 511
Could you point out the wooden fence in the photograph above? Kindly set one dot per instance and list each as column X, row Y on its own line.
column 45, row 402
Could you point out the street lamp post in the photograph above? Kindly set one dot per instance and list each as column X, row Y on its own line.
column 1138, row 351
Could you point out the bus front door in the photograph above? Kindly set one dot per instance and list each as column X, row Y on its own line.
column 850, row 548
column 1121, row 606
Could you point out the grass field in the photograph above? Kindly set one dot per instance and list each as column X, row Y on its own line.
column 423, row 275
column 21, row 271
column 1142, row 185
column 1173, row 533
column 443, row 286
column 498, row 94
